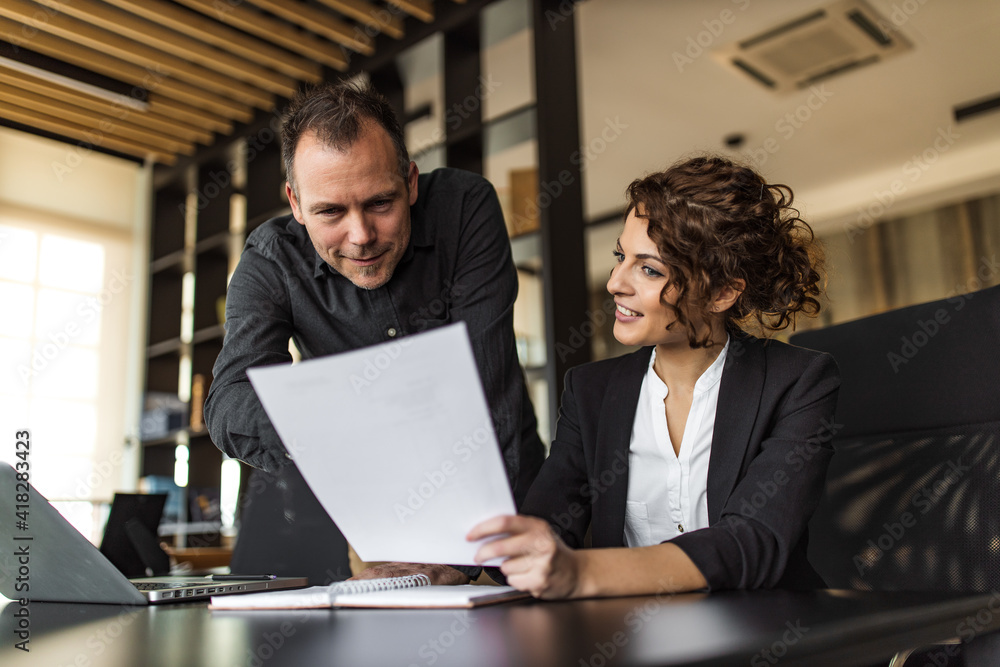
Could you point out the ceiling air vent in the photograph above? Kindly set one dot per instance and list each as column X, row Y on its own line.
column 832, row 40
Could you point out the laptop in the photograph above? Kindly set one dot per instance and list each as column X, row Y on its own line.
column 46, row 559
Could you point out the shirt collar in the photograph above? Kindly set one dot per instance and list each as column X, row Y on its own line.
column 708, row 379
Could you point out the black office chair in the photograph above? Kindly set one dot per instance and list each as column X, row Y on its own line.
column 912, row 497
column 284, row 530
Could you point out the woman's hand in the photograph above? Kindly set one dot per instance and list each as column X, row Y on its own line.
column 538, row 561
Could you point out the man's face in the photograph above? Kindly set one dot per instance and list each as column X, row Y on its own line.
column 354, row 204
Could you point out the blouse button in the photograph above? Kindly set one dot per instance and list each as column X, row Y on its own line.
column 391, row 332
column 680, row 528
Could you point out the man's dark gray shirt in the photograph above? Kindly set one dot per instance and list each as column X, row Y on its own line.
column 457, row 267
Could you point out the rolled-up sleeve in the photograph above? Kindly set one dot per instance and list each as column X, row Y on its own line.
column 766, row 515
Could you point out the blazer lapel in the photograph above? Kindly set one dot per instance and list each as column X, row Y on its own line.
column 739, row 400
column 610, row 474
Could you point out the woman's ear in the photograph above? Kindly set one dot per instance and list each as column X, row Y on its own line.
column 727, row 296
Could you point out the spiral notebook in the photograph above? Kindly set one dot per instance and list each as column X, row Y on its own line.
column 410, row 592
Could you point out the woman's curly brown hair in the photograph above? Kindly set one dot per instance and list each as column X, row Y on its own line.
column 716, row 223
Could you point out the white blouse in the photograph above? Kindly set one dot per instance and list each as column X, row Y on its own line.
column 667, row 492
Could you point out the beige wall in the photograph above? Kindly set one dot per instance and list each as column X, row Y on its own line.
column 53, row 187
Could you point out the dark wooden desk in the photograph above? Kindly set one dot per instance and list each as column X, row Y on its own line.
column 757, row 629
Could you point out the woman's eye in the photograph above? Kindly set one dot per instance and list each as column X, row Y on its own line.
column 620, row 256
column 652, row 273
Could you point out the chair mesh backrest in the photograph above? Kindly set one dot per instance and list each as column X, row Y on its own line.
column 912, row 497
column 914, row 511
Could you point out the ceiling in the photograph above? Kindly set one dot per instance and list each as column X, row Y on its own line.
column 210, row 65
column 847, row 146
column 173, row 75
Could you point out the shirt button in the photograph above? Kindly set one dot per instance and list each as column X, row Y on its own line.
column 680, row 528
column 391, row 332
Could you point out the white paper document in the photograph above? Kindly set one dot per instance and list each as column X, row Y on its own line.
column 397, row 443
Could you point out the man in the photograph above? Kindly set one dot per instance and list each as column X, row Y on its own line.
column 372, row 252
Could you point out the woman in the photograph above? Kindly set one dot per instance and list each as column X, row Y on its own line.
column 703, row 454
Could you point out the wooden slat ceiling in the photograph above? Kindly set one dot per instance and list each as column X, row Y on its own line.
column 197, row 68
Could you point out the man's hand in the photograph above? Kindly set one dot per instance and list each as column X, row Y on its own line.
column 441, row 575
column 537, row 560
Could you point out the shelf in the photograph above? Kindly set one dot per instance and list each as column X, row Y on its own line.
column 169, row 214
column 260, row 219
column 510, row 113
column 174, row 261
column 526, row 247
column 214, row 332
column 164, row 347
column 189, row 528
column 166, row 288
column 533, row 373
column 211, row 276
column 171, row 438
column 163, row 371
column 217, row 243
column 265, row 187
column 215, row 186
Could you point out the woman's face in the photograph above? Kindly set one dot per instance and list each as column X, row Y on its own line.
column 641, row 317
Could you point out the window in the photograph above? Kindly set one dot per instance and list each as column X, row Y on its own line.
column 66, row 296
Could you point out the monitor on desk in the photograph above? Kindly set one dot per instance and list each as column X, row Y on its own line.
column 130, row 536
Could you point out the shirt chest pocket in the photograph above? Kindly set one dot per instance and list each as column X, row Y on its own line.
column 637, row 530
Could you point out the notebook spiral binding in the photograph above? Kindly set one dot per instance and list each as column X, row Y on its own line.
column 373, row 585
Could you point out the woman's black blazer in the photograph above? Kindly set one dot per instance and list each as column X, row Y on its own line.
column 770, row 451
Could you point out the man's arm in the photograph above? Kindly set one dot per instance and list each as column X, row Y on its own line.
column 483, row 292
column 258, row 327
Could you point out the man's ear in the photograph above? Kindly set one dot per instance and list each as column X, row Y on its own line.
column 728, row 295
column 293, row 202
column 411, row 182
